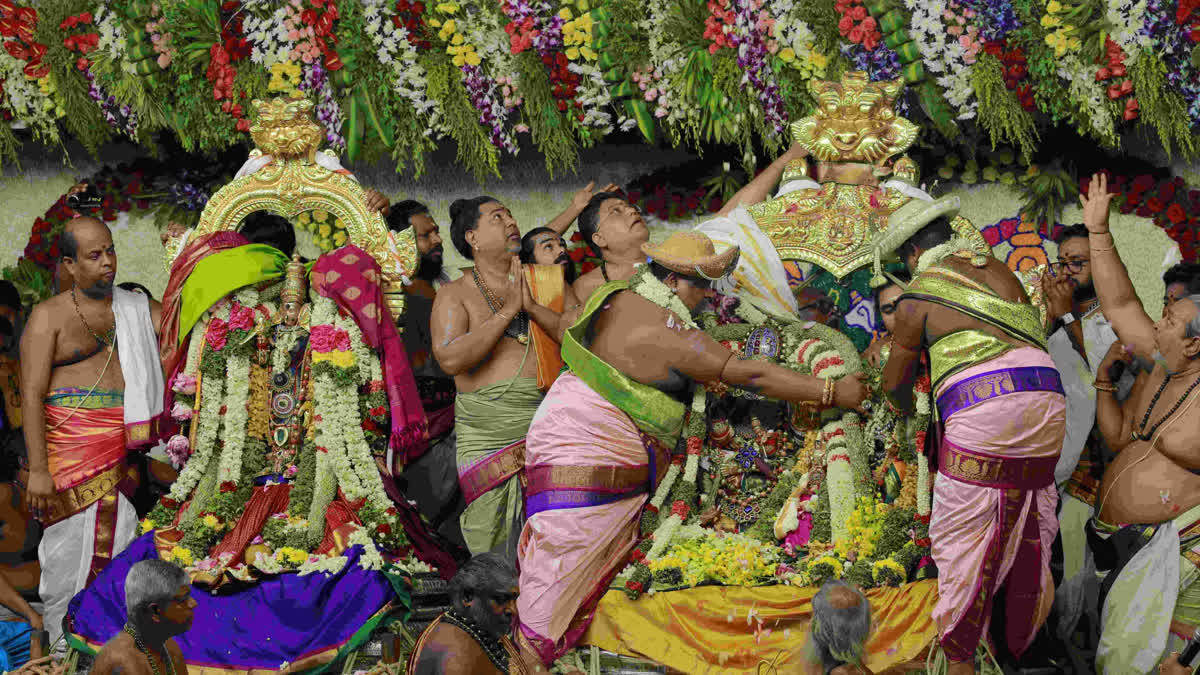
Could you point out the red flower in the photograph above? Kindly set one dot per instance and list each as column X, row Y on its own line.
column 1176, row 214
column 695, row 445
column 1155, row 205
column 638, row 555
column 383, row 528
column 169, row 503
column 243, row 125
column 681, row 509
column 218, row 331
column 635, row 586
column 228, row 486
column 391, row 511
column 342, row 339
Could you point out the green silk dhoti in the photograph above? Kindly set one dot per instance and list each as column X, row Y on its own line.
column 491, row 424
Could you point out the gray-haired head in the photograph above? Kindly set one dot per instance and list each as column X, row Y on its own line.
column 485, row 591
column 1193, row 326
column 151, row 582
column 840, row 626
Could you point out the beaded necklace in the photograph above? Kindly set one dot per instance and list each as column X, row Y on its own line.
column 493, row 648
column 137, row 641
column 521, row 333
column 1141, row 434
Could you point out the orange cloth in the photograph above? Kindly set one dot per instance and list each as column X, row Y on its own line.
column 705, row 629
column 546, row 285
column 82, row 443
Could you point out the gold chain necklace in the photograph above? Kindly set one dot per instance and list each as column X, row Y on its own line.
column 137, row 641
column 112, row 332
column 496, row 304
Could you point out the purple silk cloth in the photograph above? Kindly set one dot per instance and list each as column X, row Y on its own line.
column 280, row 619
column 979, row 388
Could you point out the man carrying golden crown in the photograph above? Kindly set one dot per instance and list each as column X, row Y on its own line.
column 1002, row 405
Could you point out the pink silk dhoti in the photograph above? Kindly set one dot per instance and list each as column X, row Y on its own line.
column 589, row 471
column 994, row 503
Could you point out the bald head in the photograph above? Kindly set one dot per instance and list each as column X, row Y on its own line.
column 87, row 252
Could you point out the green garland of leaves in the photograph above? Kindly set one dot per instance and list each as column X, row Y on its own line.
column 475, row 148
column 1000, row 114
column 552, row 132
column 1161, row 107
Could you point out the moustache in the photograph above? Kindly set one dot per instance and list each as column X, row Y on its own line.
column 562, row 259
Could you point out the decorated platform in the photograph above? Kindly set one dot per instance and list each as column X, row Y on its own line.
column 732, row 629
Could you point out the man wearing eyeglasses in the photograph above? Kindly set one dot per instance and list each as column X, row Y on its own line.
column 1080, row 337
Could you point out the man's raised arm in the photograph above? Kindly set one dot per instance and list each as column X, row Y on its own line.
column 37, row 355
column 761, row 186
column 1118, row 299
column 900, row 373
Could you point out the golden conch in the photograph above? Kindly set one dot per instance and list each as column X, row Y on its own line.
column 854, row 121
column 294, row 183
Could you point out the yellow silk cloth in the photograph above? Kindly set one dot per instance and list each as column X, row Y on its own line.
column 546, row 285
column 735, row 629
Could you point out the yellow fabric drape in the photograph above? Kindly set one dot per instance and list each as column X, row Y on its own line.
column 734, row 629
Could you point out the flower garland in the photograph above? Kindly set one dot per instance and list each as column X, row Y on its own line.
column 396, row 50
column 209, row 421
column 645, row 285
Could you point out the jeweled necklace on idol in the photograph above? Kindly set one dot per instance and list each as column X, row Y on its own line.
column 493, row 648
column 521, row 333
column 1141, row 434
column 166, row 657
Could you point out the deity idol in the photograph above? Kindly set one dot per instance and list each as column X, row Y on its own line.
column 292, row 391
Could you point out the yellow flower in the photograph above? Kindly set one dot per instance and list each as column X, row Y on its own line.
column 320, row 216
column 588, row 53
column 147, row 525
column 448, row 28
column 572, row 53
column 1049, row 21
column 339, row 238
column 291, row 555
column 181, row 554
column 565, row 13
column 1054, row 6
column 473, row 58
column 435, row 22
column 787, row 54
column 210, row 521
column 447, row 7
column 457, row 39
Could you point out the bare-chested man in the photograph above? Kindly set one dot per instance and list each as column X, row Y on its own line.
column 1153, row 478
column 93, row 387
column 481, row 336
column 159, row 607
column 472, row 638
column 1002, row 405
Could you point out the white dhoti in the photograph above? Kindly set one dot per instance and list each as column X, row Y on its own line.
column 66, row 553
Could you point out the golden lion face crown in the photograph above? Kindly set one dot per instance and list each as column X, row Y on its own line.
column 285, row 128
column 854, row 121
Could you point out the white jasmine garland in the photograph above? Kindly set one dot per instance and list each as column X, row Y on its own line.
column 370, row 558
column 325, row 564
column 1089, row 96
column 924, row 485
column 363, row 355
column 209, row 422
column 938, row 253
column 664, row 488
column 237, row 394
column 663, row 536
column 647, row 286
column 396, row 51
column 196, row 349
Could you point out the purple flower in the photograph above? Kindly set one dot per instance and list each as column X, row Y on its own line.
column 491, row 109
column 753, row 59
column 327, row 110
column 181, row 412
column 995, row 18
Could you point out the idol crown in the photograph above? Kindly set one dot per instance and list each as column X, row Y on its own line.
column 285, row 128
column 295, row 284
column 855, row 121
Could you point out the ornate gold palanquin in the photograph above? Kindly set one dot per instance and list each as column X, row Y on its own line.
column 853, row 134
column 294, row 182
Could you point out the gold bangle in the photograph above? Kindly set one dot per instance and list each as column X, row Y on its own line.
column 827, row 393
column 1101, row 385
column 1102, row 250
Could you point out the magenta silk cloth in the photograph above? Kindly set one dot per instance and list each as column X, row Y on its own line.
column 987, row 536
column 568, row 556
column 351, row 278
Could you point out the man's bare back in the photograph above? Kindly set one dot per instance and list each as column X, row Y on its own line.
column 505, row 358
column 120, row 656
column 940, row 321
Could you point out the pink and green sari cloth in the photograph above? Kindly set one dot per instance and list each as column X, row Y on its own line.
column 351, row 278
column 595, row 451
column 994, row 504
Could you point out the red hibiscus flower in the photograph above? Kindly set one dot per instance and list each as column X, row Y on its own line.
column 1176, row 214
column 1155, row 205
column 218, row 332
column 228, row 486
column 383, row 528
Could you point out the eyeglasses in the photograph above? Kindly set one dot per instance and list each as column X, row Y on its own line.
column 1071, row 265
